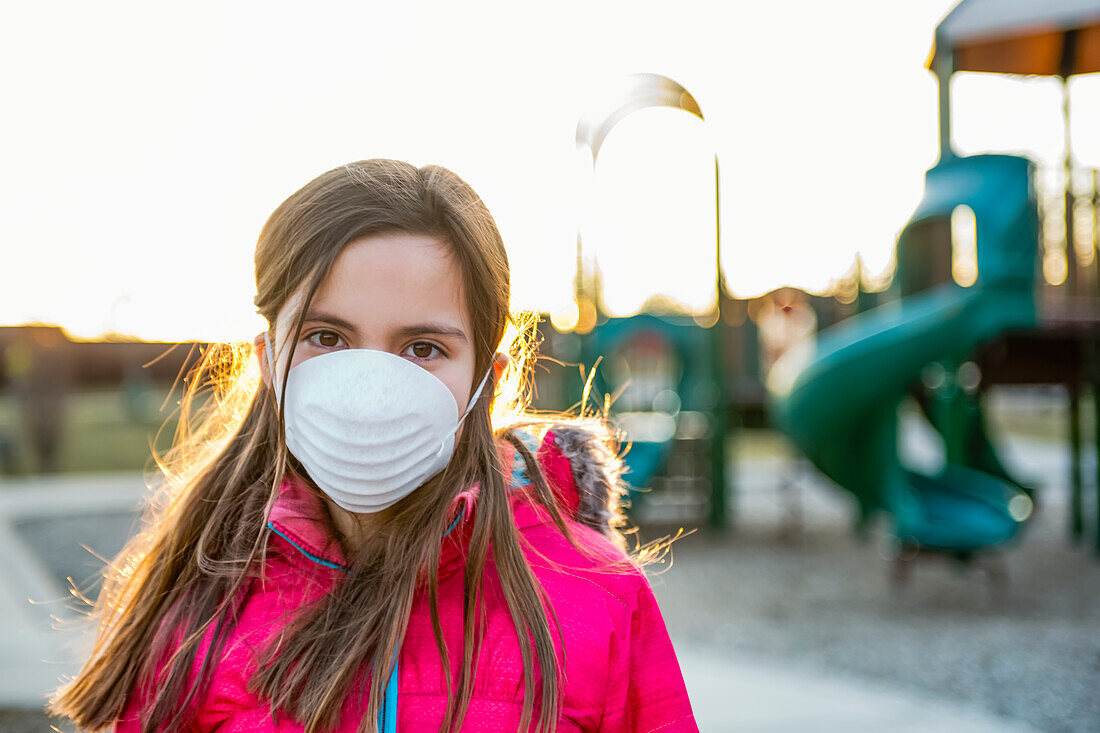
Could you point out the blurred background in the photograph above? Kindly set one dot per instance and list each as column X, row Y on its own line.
column 836, row 263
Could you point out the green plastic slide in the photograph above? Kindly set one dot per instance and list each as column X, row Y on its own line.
column 838, row 399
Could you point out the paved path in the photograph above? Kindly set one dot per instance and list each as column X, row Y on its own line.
column 728, row 695
column 766, row 698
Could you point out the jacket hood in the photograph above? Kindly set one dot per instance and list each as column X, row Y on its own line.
column 590, row 470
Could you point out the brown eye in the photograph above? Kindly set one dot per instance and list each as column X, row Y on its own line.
column 325, row 339
column 422, row 350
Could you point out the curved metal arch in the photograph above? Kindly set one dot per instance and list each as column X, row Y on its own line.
column 640, row 92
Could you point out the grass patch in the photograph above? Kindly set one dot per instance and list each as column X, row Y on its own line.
column 103, row 430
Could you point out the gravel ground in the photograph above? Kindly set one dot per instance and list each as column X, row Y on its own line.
column 792, row 586
column 29, row 721
column 1027, row 648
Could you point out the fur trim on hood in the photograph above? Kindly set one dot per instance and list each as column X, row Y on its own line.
column 597, row 470
column 581, row 460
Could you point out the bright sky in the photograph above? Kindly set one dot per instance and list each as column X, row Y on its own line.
column 144, row 145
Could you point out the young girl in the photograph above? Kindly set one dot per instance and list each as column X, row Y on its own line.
column 374, row 532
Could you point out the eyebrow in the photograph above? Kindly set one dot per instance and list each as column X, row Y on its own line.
column 418, row 329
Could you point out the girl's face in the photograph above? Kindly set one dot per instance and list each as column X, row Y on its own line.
column 394, row 292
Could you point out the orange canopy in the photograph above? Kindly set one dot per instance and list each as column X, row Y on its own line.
column 1046, row 37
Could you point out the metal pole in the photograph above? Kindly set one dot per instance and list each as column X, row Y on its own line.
column 944, row 67
column 719, row 507
column 719, row 281
column 1071, row 250
column 1077, row 524
column 578, row 280
column 1094, row 364
column 1066, row 68
column 1095, row 233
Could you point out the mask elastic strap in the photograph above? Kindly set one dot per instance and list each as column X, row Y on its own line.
column 271, row 366
column 474, row 398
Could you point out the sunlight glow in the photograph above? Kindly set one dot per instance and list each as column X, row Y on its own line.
column 964, row 246
column 140, row 215
column 1055, row 267
column 565, row 319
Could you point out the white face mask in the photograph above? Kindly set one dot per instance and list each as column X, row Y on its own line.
column 369, row 426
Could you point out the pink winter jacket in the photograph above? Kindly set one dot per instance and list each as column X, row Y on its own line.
column 620, row 670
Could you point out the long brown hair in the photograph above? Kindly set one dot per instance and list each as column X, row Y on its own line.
column 205, row 531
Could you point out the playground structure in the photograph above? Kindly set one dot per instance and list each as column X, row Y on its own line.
column 966, row 313
column 966, row 310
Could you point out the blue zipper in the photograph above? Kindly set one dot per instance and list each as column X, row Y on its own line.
column 387, row 716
